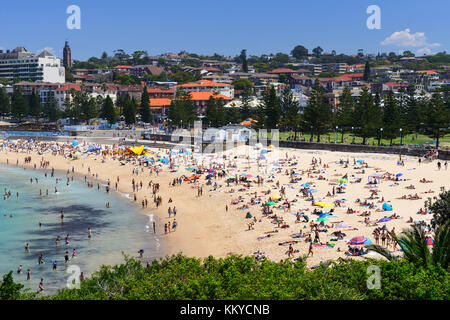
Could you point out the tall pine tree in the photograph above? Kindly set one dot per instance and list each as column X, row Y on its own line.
column 146, row 115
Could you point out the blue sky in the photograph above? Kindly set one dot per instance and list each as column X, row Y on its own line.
column 225, row 27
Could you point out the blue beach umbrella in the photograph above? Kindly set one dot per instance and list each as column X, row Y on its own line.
column 74, row 143
column 399, row 175
column 312, row 190
column 387, row 207
column 359, row 161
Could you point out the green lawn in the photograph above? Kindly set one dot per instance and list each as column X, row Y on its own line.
column 348, row 138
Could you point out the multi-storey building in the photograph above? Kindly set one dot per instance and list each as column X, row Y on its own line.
column 20, row 64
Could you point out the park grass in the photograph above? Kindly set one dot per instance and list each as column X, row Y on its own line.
column 330, row 137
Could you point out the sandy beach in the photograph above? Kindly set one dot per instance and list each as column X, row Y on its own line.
column 206, row 228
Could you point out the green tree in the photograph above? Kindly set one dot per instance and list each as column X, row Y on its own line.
column 437, row 117
column 35, row 105
column 9, row 290
column 391, row 117
column 289, row 111
column 182, row 110
column 108, row 111
column 344, row 114
column 271, row 107
column 317, row 114
column 19, row 104
column 129, row 111
column 146, row 115
column 440, row 208
column 51, row 109
column 299, row 52
column 245, row 109
column 244, row 60
column 415, row 248
column 215, row 115
column 367, row 116
column 5, row 106
column 242, row 84
column 317, row 51
column 366, row 75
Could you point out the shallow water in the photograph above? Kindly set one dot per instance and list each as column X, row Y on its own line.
column 121, row 228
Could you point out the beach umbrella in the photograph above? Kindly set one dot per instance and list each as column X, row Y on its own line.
column 312, row 190
column 387, row 207
column 276, row 197
column 360, row 240
column 359, row 161
column 399, row 175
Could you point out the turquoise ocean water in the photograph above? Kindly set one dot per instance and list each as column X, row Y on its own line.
column 121, row 228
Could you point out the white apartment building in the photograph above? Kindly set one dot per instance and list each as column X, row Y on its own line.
column 21, row 64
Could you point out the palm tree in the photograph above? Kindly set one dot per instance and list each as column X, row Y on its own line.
column 415, row 248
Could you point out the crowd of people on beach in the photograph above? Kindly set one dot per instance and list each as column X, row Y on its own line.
column 264, row 198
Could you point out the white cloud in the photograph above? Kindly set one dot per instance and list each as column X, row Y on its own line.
column 407, row 39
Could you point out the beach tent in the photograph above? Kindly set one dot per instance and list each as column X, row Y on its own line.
column 137, row 150
column 74, row 143
column 387, row 207
column 360, row 240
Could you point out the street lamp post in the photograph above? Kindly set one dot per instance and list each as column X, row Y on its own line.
column 401, row 144
column 353, row 135
column 381, row 136
column 335, row 137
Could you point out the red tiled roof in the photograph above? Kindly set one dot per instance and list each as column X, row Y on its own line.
column 395, row 84
column 204, row 96
column 122, row 67
column 68, row 87
column 428, row 72
column 159, row 102
column 158, row 90
column 282, row 70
